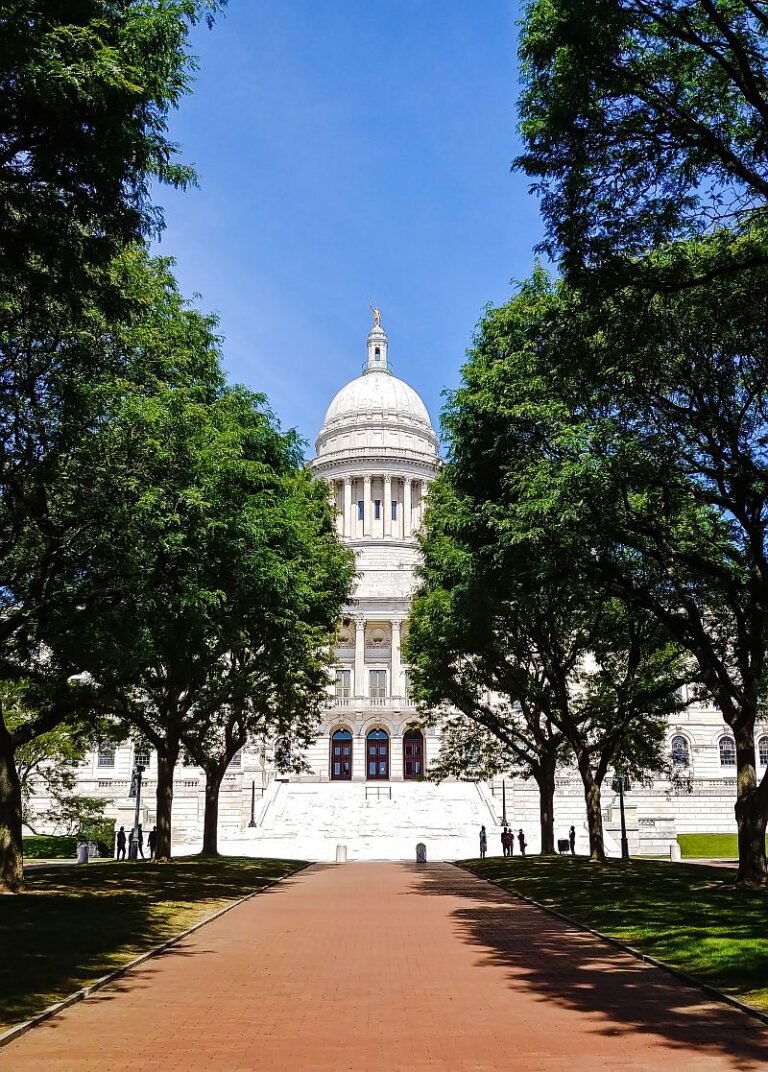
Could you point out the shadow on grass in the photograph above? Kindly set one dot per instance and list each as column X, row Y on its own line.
column 560, row 965
column 74, row 925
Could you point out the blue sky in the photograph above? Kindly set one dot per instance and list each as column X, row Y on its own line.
column 350, row 151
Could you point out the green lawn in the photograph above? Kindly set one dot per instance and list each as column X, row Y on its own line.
column 709, row 846
column 77, row 923
column 686, row 915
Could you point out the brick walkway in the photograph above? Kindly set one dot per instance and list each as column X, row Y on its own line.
column 370, row 967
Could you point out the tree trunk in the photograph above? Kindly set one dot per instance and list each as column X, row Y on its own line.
column 750, row 812
column 166, row 765
column 594, row 813
column 211, row 820
column 546, row 782
column 11, row 848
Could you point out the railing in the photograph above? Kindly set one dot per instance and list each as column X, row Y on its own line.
column 378, row 790
column 372, row 701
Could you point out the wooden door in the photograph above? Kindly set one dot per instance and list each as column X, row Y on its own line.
column 377, row 757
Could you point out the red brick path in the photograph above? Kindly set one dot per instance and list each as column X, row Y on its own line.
column 369, row 967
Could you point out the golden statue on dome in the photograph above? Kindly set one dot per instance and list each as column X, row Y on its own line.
column 376, row 316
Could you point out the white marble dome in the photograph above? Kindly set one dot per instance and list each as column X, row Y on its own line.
column 377, row 413
column 377, row 392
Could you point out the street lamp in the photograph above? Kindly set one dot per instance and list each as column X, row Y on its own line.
column 253, row 803
column 135, row 791
column 621, row 785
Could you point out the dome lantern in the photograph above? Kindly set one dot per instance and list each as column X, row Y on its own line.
column 377, row 346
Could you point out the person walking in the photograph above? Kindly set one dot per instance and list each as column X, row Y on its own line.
column 152, row 842
column 521, row 841
column 120, row 854
column 483, row 843
column 572, row 840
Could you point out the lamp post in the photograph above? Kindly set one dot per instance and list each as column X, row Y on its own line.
column 135, row 791
column 621, row 786
column 253, row 803
column 503, row 802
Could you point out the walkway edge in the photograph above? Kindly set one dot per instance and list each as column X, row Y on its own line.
column 691, row 980
column 16, row 1032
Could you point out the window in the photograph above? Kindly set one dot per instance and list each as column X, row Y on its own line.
column 141, row 756
column 342, row 684
column 237, row 759
column 360, row 510
column 394, row 509
column 106, row 754
column 727, row 752
column 762, row 751
column 406, row 684
column 680, row 754
column 377, row 354
column 378, row 684
column 377, row 509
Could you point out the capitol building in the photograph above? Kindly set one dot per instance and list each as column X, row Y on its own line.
column 362, row 793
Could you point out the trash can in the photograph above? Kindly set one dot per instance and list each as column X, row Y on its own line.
column 82, row 852
column 341, row 854
column 421, row 853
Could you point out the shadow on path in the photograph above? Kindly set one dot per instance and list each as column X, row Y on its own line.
column 563, row 965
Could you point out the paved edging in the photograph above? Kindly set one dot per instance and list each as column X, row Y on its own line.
column 80, row 995
column 690, row 980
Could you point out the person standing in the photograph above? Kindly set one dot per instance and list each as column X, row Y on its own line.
column 572, row 840
column 521, row 841
column 483, row 843
column 505, row 842
column 120, row 854
column 140, row 842
column 152, row 842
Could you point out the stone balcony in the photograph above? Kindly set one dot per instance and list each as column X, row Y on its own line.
column 391, row 703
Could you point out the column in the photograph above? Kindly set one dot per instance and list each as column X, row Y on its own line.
column 359, row 656
column 387, row 505
column 407, row 506
column 337, row 510
column 367, row 505
column 348, row 515
column 394, row 686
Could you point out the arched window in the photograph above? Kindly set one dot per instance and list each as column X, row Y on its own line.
column 680, row 751
column 106, row 754
column 762, row 751
column 727, row 752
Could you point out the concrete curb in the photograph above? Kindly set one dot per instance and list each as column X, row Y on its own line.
column 690, row 980
column 18, row 1030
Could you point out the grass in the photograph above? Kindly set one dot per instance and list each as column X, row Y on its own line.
column 687, row 915
column 709, row 846
column 76, row 924
column 49, row 847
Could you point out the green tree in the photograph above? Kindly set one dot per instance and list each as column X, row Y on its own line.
column 86, row 87
column 645, row 120
column 68, row 469
column 235, row 574
column 638, row 425
column 462, row 660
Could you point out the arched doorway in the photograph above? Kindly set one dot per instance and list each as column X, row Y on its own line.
column 377, row 756
column 341, row 756
column 413, row 754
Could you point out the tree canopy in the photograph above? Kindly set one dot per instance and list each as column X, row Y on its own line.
column 644, row 121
